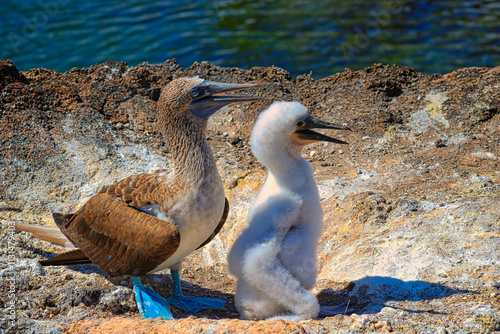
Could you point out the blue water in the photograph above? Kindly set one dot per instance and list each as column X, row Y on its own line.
column 302, row 36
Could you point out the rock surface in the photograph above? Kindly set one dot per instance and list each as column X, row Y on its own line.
column 412, row 206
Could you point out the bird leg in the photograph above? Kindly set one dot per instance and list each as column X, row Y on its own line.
column 149, row 302
column 189, row 303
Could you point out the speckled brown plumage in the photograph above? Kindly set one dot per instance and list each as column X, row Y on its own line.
column 143, row 189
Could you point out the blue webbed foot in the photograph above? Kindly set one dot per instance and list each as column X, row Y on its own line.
column 189, row 303
column 195, row 304
column 149, row 302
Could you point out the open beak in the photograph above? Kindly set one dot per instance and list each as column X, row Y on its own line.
column 304, row 135
column 205, row 103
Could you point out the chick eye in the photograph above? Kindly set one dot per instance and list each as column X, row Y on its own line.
column 300, row 124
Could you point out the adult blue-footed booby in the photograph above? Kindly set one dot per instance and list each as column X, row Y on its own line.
column 152, row 221
column 274, row 258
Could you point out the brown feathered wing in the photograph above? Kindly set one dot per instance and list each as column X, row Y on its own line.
column 119, row 238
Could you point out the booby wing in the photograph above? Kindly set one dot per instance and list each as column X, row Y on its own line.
column 120, row 239
column 113, row 233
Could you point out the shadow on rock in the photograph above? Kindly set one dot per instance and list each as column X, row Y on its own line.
column 372, row 292
column 121, row 299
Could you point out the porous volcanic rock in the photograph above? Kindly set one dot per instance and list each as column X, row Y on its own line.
column 411, row 235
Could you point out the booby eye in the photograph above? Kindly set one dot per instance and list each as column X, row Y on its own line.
column 300, row 124
column 195, row 92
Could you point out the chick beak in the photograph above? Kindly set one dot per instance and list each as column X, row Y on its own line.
column 205, row 103
column 304, row 135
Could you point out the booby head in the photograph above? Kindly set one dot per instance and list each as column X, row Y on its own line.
column 286, row 127
column 199, row 96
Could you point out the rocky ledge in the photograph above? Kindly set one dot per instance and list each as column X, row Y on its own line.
column 412, row 206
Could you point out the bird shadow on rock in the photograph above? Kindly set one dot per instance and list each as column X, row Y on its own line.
column 81, row 268
column 371, row 293
column 160, row 282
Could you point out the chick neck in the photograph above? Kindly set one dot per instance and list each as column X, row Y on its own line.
column 288, row 167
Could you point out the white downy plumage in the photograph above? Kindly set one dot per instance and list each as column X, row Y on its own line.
column 275, row 256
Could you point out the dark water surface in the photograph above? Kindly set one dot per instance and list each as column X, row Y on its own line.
column 301, row 36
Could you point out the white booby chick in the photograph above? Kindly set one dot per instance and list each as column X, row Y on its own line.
column 274, row 258
column 152, row 221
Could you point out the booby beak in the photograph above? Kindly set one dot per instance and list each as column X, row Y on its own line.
column 304, row 135
column 205, row 103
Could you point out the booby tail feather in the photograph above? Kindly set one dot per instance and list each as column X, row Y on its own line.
column 45, row 233
column 74, row 256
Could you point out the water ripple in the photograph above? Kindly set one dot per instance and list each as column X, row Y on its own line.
column 299, row 35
